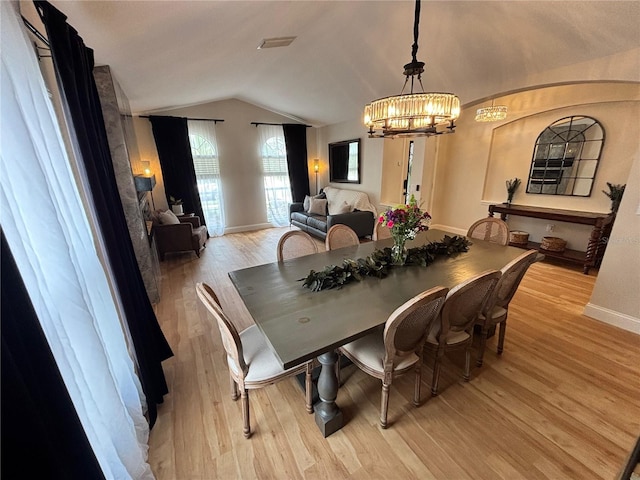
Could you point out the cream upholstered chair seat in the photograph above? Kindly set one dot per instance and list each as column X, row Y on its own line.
column 452, row 339
column 496, row 313
column 251, row 362
column 370, row 352
column 397, row 349
column 263, row 364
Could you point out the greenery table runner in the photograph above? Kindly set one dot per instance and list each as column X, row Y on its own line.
column 378, row 263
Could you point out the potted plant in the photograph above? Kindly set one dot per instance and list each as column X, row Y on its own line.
column 176, row 205
column 615, row 194
column 512, row 186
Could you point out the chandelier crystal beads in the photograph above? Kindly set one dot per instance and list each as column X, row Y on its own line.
column 412, row 114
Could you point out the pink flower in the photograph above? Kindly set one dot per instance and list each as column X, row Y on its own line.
column 390, row 224
column 381, row 219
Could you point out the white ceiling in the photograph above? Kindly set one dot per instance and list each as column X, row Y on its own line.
column 347, row 53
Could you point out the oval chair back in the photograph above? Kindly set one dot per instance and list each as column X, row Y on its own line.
column 295, row 243
column 462, row 308
column 491, row 229
column 340, row 236
column 512, row 274
column 230, row 337
column 497, row 309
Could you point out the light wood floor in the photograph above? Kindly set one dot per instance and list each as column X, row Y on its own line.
column 562, row 402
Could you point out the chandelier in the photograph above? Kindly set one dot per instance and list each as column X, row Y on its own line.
column 492, row 113
column 412, row 114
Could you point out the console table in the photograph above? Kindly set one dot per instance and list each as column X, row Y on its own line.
column 602, row 223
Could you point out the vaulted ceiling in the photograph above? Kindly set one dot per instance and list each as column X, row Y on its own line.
column 346, row 53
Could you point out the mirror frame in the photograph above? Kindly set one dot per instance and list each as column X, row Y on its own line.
column 334, row 148
column 560, row 159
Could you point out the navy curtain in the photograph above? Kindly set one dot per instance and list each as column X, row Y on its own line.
column 73, row 64
column 42, row 436
column 295, row 139
column 174, row 151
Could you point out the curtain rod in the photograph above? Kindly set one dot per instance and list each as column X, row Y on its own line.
column 35, row 31
column 276, row 124
column 214, row 120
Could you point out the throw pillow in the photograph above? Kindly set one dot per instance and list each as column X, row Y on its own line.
column 318, row 206
column 168, row 218
column 344, row 208
column 307, row 200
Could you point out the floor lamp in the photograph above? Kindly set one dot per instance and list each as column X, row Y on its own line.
column 316, row 168
column 145, row 183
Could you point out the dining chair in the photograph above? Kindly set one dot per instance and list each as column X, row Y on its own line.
column 491, row 229
column 295, row 243
column 454, row 327
column 251, row 362
column 497, row 307
column 398, row 349
column 340, row 236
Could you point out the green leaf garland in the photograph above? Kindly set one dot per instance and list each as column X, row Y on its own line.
column 379, row 262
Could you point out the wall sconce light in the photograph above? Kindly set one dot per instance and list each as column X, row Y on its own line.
column 316, row 169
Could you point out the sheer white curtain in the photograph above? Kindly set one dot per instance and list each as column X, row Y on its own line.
column 47, row 231
column 206, row 163
column 275, row 173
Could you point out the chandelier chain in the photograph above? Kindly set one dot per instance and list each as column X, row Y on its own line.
column 416, row 32
column 412, row 114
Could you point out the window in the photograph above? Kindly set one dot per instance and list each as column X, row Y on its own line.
column 276, row 174
column 207, row 168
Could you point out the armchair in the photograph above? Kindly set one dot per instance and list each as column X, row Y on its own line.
column 180, row 237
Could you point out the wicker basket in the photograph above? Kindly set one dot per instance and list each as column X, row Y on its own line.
column 553, row 244
column 521, row 238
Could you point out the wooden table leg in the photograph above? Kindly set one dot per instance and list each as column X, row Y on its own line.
column 327, row 414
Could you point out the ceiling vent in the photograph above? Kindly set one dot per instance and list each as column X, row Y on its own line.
column 276, row 42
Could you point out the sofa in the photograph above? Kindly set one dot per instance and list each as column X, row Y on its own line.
column 178, row 234
column 316, row 215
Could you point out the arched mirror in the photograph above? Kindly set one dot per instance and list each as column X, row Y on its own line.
column 566, row 156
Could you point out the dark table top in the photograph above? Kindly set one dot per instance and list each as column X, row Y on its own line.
column 300, row 324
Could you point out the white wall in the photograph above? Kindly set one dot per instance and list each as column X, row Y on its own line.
column 616, row 295
column 473, row 164
column 240, row 162
column 370, row 157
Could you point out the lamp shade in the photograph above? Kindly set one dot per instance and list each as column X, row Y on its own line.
column 144, row 183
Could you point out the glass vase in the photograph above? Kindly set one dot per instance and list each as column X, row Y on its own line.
column 398, row 251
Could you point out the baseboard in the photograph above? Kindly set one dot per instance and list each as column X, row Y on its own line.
column 617, row 319
column 447, row 228
column 248, row 228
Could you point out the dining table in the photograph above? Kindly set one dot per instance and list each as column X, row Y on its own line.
column 300, row 324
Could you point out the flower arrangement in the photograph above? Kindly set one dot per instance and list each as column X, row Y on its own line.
column 615, row 194
column 512, row 186
column 404, row 222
